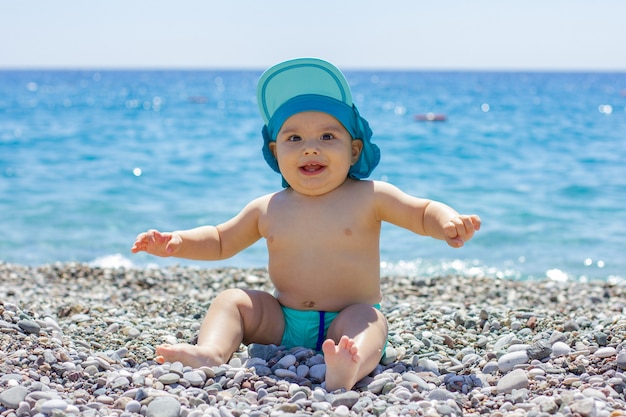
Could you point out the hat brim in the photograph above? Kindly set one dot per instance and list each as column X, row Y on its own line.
column 297, row 77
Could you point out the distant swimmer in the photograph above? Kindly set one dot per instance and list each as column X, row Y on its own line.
column 430, row 117
column 198, row 99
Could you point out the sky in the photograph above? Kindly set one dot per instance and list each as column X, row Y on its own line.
column 576, row 35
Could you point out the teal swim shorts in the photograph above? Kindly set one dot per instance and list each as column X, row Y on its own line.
column 307, row 328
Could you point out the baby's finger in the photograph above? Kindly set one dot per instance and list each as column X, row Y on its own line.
column 139, row 243
column 452, row 234
column 152, row 235
column 467, row 228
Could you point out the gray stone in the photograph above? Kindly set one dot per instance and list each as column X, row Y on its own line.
column 602, row 338
column 413, row 378
column 120, row 382
column 539, row 350
column 318, row 372
column 50, row 406
column 195, row 378
column 490, row 367
column 265, row 352
column 23, row 409
column 12, row 397
column 169, row 378
column 515, row 379
column 440, row 395
column 377, row 385
column 133, row 406
column 29, row 326
column 262, row 370
column 177, row 368
column 348, row 399
column 557, row 336
column 11, row 377
column 429, row 365
column 509, row 361
column 584, row 408
column 163, row 407
column 285, row 373
column 503, row 341
column 287, row 361
column 391, row 355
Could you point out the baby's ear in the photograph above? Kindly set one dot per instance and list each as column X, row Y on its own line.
column 357, row 148
column 272, row 146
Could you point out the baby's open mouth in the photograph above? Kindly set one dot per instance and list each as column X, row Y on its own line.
column 312, row 168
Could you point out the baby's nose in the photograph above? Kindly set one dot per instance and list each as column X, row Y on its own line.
column 310, row 147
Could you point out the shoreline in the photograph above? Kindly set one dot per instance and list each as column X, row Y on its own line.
column 81, row 338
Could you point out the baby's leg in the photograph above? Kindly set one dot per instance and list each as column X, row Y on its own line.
column 361, row 332
column 235, row 316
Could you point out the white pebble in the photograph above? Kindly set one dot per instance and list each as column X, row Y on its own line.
column 605, row 352
column 133, row 406
column 508, row 361
column 342, row 411
column 560, row 349
column 49, row 406
column 516, row 379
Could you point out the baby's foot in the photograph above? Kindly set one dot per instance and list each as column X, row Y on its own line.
column 342, row 363
column 189, row 355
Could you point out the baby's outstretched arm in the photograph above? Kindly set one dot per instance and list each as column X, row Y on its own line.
column 201, row 243
column 425, row 217
column 206, row 242
column 157, row 243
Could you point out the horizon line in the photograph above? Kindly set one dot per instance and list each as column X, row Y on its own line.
column 343, row 68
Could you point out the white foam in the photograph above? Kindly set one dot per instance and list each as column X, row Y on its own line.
column 112, row 261
column 423, row 268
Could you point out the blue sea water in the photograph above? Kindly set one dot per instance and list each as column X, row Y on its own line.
column 88, row 159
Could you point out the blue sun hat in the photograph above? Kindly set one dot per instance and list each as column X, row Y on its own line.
column 311, row 84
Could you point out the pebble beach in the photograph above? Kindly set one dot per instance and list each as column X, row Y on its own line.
column 79, row 340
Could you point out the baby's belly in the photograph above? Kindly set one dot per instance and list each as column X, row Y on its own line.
column 331, row 300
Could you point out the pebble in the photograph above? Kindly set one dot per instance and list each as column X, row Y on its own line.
column 51, row 406
column 83, row 344
column 163, row 407
column 560, row 349
column 29, row 326
column 12, row 397
column 169, row 378
column 539, row 350
column 605, row 352
column 515, row 379
column 510, row 360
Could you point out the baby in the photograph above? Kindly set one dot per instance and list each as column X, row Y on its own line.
column 322, row 232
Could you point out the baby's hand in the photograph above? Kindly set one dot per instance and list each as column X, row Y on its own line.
column 157, row 243
column 461, row 229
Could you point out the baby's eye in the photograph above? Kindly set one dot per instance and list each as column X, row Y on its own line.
column 327, row 136
column 294, row 138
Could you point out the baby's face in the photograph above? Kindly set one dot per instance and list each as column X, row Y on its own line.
column 315, row 152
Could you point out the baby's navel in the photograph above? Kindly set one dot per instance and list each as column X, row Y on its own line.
column 309, row 304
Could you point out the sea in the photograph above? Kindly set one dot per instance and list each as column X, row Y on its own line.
column 90, row 158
